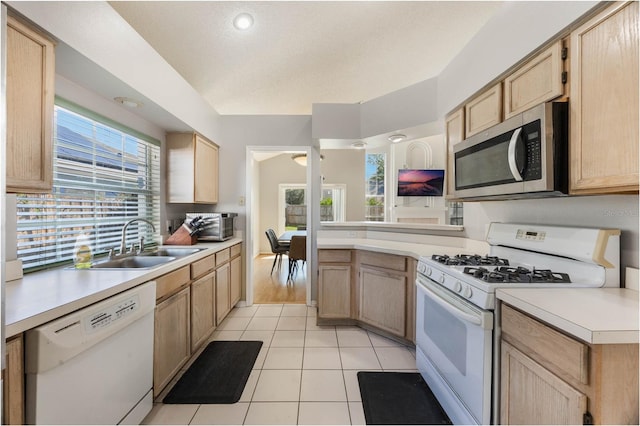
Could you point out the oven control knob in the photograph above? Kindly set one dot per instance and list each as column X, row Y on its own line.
column 457, row 287
column 467, row 292
column 421, row 268
column 428, row 271
column 441, row 279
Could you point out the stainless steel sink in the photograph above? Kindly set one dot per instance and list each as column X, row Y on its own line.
column 172, row 251
column 134, row 262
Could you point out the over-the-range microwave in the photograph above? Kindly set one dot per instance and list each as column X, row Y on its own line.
column 524, row 156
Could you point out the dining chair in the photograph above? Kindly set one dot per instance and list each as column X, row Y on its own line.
column 276, row 248
column 297, row 252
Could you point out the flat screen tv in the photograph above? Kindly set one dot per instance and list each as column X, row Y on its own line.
column 420, row 183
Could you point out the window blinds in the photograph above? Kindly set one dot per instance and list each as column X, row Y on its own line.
column 103, row 176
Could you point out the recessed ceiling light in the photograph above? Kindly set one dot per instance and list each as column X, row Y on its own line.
column 244, row 21
column 398, row 137
column 128, row 102
column 359, row 144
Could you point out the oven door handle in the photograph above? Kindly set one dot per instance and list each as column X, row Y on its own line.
column 513, row 146
column 453, row 310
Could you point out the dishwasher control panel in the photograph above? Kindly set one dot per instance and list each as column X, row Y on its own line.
column 105, row 317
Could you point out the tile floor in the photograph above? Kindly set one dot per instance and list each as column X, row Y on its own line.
column 305, row 374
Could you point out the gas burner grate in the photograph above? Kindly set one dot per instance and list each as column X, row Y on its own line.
column 470, row 259
column 504, row 274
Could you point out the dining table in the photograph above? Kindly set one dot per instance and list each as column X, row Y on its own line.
column 285, row 238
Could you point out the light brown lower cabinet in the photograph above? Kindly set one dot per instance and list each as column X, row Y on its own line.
column 549, row 377
column 203, row 313
column 223, row 292
column 236, row 280
column 334, row 291
column 171, row 346
column 13, row 387
column 383, row 299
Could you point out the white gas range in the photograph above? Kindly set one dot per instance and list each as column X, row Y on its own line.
column 456, row 298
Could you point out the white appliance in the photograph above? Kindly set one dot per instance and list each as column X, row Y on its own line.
column 455, row 331
column 94, row 366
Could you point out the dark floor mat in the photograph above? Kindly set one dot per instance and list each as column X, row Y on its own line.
column 399, row 398
column 218, row 376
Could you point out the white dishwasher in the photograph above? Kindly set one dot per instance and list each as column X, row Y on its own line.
column 94, row 366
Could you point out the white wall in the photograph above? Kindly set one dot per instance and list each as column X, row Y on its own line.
column 347, row 166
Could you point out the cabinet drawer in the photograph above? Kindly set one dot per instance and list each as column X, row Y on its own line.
column 553, row 349
column 202, row 266
column 222, row 256
column 169, row 283
column 334, row 256
column 381, row 260
column 236, row 250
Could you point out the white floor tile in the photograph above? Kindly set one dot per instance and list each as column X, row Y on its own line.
column 294, row 311
column 237, row 323
column 359, row 359
column 278, row 385
column 263, row 323
column 312, row 311
column 357, row 413
column 269, row 311
column 292, row 323
column 170, row 414
column 263, row 335
column 320, row 339
column 396, row 358
column 352, row 338
column 226, row 335
column 272, row 413
column 322, row 385
column 262, row 355
column 283, row 359
column 250, row 387
column 221, row 414
column 288, row 339
column 323, row 413
column 321, row 359
column 246, row 311
column 378, row 340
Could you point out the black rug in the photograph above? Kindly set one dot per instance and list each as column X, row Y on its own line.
column 399, row 398
column 218, row 376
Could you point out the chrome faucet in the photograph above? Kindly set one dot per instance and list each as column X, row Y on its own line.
column 123, row 245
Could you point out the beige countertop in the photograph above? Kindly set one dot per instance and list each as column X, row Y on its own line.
column 43, row 296
column 594, row 315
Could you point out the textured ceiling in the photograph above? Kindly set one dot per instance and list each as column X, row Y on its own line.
column 299, row 53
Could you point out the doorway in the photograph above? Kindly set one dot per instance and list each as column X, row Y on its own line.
column 267, row 169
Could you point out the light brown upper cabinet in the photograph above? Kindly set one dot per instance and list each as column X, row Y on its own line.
column 484, row 110
column 454, row 133
column 192, row 164
column 30, row 92
column 604, row 102
column 537, row 81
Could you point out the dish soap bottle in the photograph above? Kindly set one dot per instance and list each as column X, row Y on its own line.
column 82, row 253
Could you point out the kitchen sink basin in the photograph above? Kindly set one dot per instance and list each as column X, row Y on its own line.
column 134, row 262
column 171, row 251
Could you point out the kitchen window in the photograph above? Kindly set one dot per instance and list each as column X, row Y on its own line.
column 104, row 174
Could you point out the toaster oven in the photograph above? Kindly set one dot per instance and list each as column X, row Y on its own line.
column 219, row 226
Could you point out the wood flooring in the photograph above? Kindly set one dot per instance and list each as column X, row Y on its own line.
column 274, row 288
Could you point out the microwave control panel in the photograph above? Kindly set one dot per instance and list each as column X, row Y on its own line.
column 531, row 134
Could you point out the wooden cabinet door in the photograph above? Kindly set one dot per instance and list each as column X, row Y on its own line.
column 203, row 313
column 483, row 111
column 30, row 75
column 13, row 388
column 171, row 346
column 236, row 280
column 604, row 102
column 223, row 292
column 454, row 133
column 383, row 300
column 530, row 394
column 206, row 171
column 334, row 291
column 537, row 81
